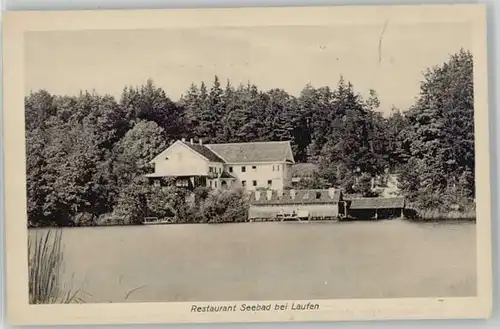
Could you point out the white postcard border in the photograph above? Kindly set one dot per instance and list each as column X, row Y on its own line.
column 18, row 309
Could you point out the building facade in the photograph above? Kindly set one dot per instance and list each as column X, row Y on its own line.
column 254, row 166
column 318, row 203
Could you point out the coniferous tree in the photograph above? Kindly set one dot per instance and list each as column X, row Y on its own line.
column 440, row 131
column 87, row 154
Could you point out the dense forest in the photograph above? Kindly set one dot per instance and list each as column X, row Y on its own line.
column 87, row 154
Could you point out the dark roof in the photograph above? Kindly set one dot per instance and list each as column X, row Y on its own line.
column 203, row 150
column 253, row 152
column 304, row 169
column 297, row 197
column 225, row 174
column 377, row 203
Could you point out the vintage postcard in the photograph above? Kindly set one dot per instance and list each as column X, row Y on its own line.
column 247, row 165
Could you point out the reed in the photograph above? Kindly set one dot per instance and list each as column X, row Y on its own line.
column 45, row 265
column 439, row 215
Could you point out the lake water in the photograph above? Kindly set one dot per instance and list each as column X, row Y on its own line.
column 261, row 261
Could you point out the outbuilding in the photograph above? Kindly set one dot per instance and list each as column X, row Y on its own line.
column 375, row 208
column 318, row 203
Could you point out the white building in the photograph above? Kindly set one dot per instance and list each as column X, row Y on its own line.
column 255, row 165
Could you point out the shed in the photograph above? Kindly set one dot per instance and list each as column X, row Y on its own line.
column 377, row 208
column 319, row 203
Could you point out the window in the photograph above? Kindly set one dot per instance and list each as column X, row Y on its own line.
column 243, row 169
column 254, row 183
column 270, row 183
column 243, row 183
column 210, row 169
column 318, row 195
column 157, row 183
column 278, row 168
column 220, row 169
column 215, row 184
column 210, row 183
column 230, row 169
column 254, row 167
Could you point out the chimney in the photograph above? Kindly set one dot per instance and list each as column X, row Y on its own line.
column 191, row 140
column 183, row 139
column 200, row 141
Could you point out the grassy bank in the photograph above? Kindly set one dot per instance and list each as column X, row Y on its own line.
column 435, row 215
column 45, row 264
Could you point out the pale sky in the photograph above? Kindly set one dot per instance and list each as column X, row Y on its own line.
column 271, row 57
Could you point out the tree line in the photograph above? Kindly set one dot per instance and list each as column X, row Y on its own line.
column 87, row 154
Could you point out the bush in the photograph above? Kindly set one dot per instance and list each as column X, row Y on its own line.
column 314, row 182
column 132, row 202
column 348, row 185
column 410, row 213
column 382, row 180
column 364, row 187
column 85, row 219
column 226, row 206
column 202, row 192
column 110, row 219
column 159, row 203
column 170, row 200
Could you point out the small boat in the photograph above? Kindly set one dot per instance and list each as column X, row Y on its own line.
column 157, row 221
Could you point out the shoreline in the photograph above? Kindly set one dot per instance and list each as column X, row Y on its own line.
column 464, row 220
column 440, row 216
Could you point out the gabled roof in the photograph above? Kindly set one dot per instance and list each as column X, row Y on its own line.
column 253, row 152
column 377, row 203
column 225, row 174
column 200, row 149
column 204, row 150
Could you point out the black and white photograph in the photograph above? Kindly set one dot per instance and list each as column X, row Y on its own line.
column 252, row 168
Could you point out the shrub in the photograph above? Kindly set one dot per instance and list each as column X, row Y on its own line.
column 132, row 202
column 364, row 186
column 85, row 219
column 314, row 182
column 159, row 202
column 110, row 219
column 410, row 212
column 348, row 185
column 202, row 192
column 224, row 206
